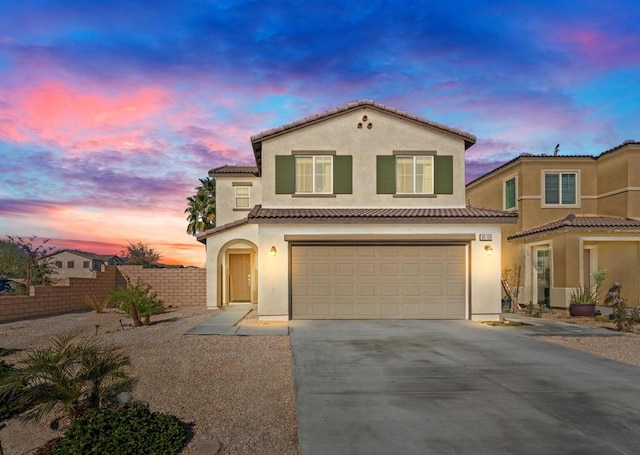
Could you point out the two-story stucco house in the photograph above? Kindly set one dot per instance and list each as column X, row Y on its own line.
column 69, row 263
column 577, row 215
column 355, row 213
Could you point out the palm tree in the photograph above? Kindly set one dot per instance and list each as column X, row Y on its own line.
column 68, row 378
column 201, row 207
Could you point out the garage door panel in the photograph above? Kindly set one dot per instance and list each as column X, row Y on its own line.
column 366, row 269
column 366, row 289
column 344, row 289
column 378, row 282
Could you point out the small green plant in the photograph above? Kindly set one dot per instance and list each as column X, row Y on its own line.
column 128, row 429
column 534, row 311
column 623, row 317
column 97, row 303
column 137, row 301
column 583, row 296
column 8, row 404
column 67, row 378
column 598, row 278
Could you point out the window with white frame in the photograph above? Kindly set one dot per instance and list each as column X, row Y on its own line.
column 560, row 188
column 314, row 174
column 510, row 194
column 242, row 197
column 414, row 174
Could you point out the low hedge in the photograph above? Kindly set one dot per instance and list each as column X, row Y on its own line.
column 126, row 430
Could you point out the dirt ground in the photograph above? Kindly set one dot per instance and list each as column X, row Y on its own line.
column 236, row 392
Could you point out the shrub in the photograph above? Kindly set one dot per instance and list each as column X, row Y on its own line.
column 8, row 404
column 137, row 301
column 623, row 317
column 68, row 377
column 125, row 430
column 96, row 303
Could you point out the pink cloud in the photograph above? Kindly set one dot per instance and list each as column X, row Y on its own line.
column 79, row 119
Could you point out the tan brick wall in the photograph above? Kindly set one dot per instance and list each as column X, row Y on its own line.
column 48, row 300
column 175, row 287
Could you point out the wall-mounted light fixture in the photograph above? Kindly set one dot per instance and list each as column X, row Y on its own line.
column 488, row 249
column 273, row 251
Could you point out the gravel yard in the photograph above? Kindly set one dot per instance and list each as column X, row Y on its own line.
column 236, row 391
column 624, row 349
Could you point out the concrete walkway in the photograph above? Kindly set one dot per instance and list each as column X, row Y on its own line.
column 457, row 387
column 225, row 323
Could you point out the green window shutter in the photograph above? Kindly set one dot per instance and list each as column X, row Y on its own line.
column 443, row 174
column 342, row 174
column 285, row 174
column 385, row 174
column 510, row 193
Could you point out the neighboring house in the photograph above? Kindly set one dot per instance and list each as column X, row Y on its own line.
column 355, row 213
column 577, row 215
column 80, row 264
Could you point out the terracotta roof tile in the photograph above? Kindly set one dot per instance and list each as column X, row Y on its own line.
column 582, row 223
column 257, row 139
column 368, row 215
column 231, row 171
column 524, row 156
column 225, row 227
column 350, row 106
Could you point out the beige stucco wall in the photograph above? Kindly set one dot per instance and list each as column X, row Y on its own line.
column 340, row 134
column 78, row 271
column 483, row 302
column 225, row 198
column 619, row 182
column 242, row 237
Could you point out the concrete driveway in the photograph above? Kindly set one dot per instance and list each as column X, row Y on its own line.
column 456, row 387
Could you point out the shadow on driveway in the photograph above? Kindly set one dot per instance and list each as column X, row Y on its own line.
column 456, row 387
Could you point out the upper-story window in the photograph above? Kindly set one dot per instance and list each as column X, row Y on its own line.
column 58, row 264
column 314, row 174
column 71, row 264
column 560, row 188
column 86, row 264
column 510, row 194
column 414, row 174
column 242, row 197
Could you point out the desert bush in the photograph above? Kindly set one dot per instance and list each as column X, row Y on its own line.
column 124, row 430
column 623, row 317
column 67, row 378
column 96, row 303
column 137, row 301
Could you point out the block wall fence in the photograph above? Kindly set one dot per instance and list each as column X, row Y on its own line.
column 176, row 287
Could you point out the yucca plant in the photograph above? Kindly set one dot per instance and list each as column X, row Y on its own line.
column 96, row 303
column 68, row 377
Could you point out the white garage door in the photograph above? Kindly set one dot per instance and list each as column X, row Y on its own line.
column 378, row 282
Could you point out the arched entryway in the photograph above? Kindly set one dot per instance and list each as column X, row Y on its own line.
column 237, row 272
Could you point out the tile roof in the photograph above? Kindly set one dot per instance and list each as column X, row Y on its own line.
column 234, row 171
column 525, row 156
column 256, row 140
column 203, row 235
column 582, row 223
column 381, row 215
column 85, row 254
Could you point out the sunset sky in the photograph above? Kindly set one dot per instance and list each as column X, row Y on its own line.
column 110, row 111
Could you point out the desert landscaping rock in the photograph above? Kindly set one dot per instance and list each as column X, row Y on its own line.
column 234, row 391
